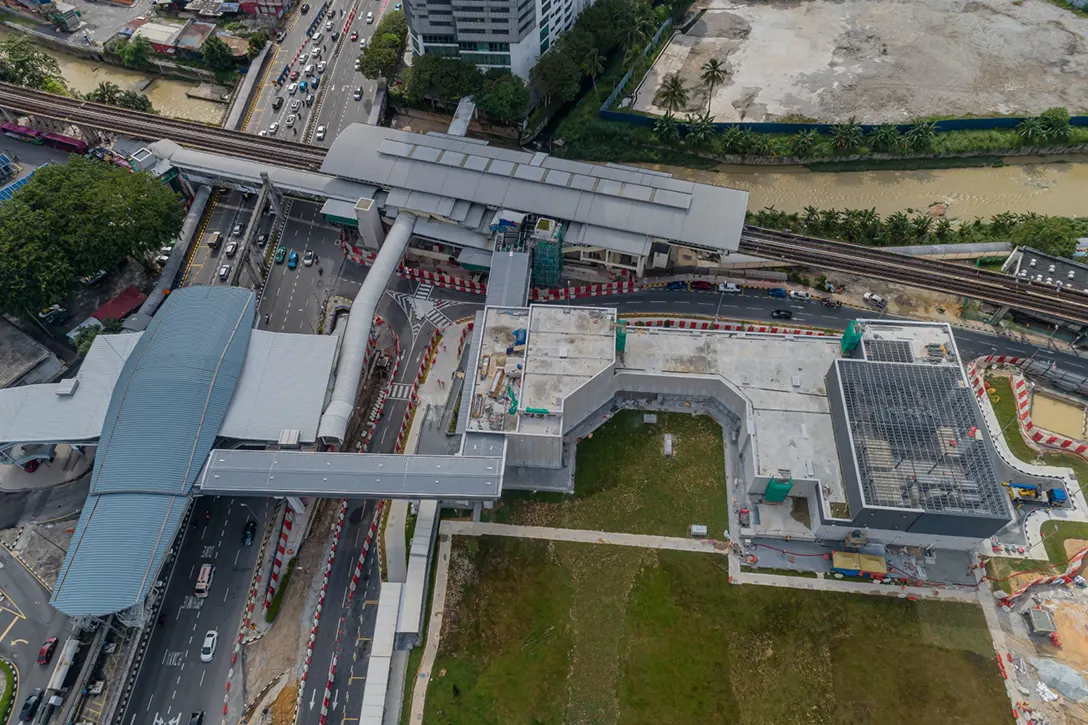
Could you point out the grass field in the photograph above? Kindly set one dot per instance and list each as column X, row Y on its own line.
column 7, row 689
column 624, row 483
column 541, row 633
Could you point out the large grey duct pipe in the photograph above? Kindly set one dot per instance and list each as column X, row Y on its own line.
column 349, row 369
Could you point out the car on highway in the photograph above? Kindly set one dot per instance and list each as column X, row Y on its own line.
column 46, row 652
column 308, row 259
column 317, row 37
column 273, row 127
column 310, row 100
column 294, row 74
column 249, row 533
column 358, row 64
column 236, row 231
column 291, row 120
column 292, row 88
column 280, row 35
column 292, row 260
column 320, row 135
column 800, row 295
column 309, row 70
column 782, row 314
column 262, row 239
column 354, row 35
column 295, row 105
column 277, row 103
column 677, row 285
column 224, row 272
column 336, row 36
column 281, row 254
column 208, row 648
column 729, row 288
column 303, row 86
column 362, row 44
column 358, row 94
column 328, row 26
column 776, row 292
column 321, row 67
column 315, row 53
column 231, row 249
column 370, row 18
column 305, row 8
column 702, row 285
column 332, row 13
column 197, row 718
column 30, row 705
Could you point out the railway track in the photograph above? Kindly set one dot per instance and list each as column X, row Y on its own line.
column 920, row 272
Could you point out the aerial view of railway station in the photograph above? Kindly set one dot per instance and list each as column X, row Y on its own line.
column 385, row 363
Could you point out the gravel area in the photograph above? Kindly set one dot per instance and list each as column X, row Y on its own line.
column 886, row 61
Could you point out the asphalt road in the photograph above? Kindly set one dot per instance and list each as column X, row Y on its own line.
column 173, row 682
column 229, row 209
column 26, row 620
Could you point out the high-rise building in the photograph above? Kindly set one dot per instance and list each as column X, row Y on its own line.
column 506, row 34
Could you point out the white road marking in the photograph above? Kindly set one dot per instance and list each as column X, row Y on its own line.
column 202, row 677
column 226, row 595
column 149, row 702
column 236, row 555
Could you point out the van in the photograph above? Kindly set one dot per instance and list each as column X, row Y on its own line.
column 204, row 580
column 799, row 295
column 875, row 300
column 776, row 292
column 729, row 288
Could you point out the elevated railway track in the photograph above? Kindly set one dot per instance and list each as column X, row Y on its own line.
column 1065, row 304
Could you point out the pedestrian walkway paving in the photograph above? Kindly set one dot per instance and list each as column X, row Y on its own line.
column 396, row 561
column 400, row 391
column 434, row 631
column 646, row 541
column 434, row 393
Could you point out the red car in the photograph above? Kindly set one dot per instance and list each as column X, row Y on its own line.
column 702, row 285
column 46, row 652
column 294, row 75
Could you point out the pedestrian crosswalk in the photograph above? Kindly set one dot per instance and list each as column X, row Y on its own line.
column 400, row 391
column 423, row 291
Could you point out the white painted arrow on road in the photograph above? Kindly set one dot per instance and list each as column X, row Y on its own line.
column 313, row 694
column 334, row 696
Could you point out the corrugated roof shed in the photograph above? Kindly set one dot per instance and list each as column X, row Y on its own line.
column 120, row 306
column 508, row 283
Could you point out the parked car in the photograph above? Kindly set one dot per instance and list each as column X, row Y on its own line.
column 702, row 285
column 799, row 295
column 249, row 533
column 729, row 288
column 231, row 249
column 677, row 285
column 208, row 648
column 224, row 272
column 397, row 7
column 54, row 315
column 320, row 135
column 46, row 652
column 782, row 314
column 277, row 103
column 875, row 300
column 281, row 254
column 776, row 292
column 92, row 279
column 162, row 259
column 30, row 705
column 292, row 260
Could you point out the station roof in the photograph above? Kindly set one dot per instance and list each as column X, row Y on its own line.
column 164, row 414
column 508, row 283
column 617, row 198
column 375, row 475
column 19, row 354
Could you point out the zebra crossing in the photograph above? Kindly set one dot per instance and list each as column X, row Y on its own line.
column 399, row 391
column 423, row 291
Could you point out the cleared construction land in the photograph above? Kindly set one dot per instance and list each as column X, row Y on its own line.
column 542, row 633
column 624, row 482
column 879, row 61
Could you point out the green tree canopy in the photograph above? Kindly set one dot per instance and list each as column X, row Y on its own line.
column 257, row 41
column 112, row 95
column 503, row 96
column 85, row 336
column 217, row 55
column 135, row 53
column 25, row 64
column 382, row 54
column 1052, row 235
column 440, row 79
column 556, row 76
column 74, row 219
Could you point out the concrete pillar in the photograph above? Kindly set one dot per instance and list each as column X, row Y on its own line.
column 296, row 504
column 9, row 117
column 999, row 315
column 252, row 256
column 273, row 194
column 371, row 231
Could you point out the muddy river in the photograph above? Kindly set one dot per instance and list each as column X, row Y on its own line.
column 1022, row 186
column 167, row 95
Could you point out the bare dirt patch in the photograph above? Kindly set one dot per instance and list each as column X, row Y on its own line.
column 42, row 546
column 1058, row 415
column 880, row 61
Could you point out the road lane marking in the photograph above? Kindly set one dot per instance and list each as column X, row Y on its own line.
column 202, row 677
column 226, row 595
column 149, row 702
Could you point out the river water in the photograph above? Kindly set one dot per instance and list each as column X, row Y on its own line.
column 167, row 95
column 1023, row 185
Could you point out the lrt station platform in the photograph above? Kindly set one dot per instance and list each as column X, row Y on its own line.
column 196, row 405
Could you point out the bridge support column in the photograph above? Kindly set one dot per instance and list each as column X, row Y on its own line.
column 296, row 504
column 274, row 197
column 999, row 315
column 253, row 256
column 9, row 117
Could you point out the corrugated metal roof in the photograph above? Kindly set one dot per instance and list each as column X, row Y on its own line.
column 508, row 283
column 36, row 414
column 116, row 552
column 263, row 405
column 305, row 473
column 621, row 198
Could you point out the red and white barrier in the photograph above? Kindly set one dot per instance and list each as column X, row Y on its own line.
column 370, row 534
column 405, row 423
column 683, row 324
column 440, row 279
column 278, row 558
column 590, row 290
column 1072, row 566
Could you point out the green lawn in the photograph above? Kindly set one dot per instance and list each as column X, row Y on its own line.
column 7, row 690
column 1055, row 534
column 546, row 633
column 623, row 482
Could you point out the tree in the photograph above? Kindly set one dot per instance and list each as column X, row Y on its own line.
column 106, row 92
column 25, row 64
column 556, row 76
column 714, row 74
column 672, row 95
column 847, row 136
column 886, row 138
column 74, row 219
column 217, row 55
column 1050, row 235
column 700, row 129
column 1031, row 131
column 112, row 95
column 442, row 80
column 666, row 130
column 135, row 52
column 1055, row 123
column 802, row 144
column 85, row 336
column 257, row 41
column 504, row 96
column 382, row 54
column 635, row 35
column 594, row 67
column 920, row 135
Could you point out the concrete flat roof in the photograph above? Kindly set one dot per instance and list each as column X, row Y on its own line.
column 567, row 346
column 19, row 353
column 487, row 413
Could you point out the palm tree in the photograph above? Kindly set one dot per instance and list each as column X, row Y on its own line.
column 700, row 129
column 1031, row 131
column 801, row 144
column 714, row 73
column 666, row 129
column 847, row 136
column 594, row 66
column 634, row 39
column 812, row 215
column 734, row 139
column 921, row 224
column 885, row 138
column 920, row 135
column 673, row 95
column 944, row 228
column 105, row 92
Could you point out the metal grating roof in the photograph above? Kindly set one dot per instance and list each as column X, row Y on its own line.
column 888, row 351
column 508, row 282
column 913, row 429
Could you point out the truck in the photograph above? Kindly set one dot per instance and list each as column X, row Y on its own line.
column 1034, row 493
column 213, row 239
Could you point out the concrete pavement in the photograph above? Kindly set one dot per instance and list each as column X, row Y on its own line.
column 584, row 536
column 434, row 630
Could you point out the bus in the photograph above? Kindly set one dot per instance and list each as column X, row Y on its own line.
column 66, row 143
column 22, row 133
column 204, row 580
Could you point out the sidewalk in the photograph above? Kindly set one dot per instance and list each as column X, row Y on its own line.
column 646, row 541
column 434, row 629
column 433, row 404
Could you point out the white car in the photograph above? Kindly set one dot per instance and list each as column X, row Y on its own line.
column 358, row 94
column 208, row 648
column 320, row 135
column 291, row 120
column 292, row 88
column 308, row 258
column 315, row 53
column 729, row 288
column 321, row 67
column 273, row 127
column 328, row 26
column 262, row 133
column 358, row 64
column 308, row 70
column 875, row 300
column 362, row 44
column 224, row 272
column 296, row 105
column 317, row 37
column 370, row 18
column 799, row 295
